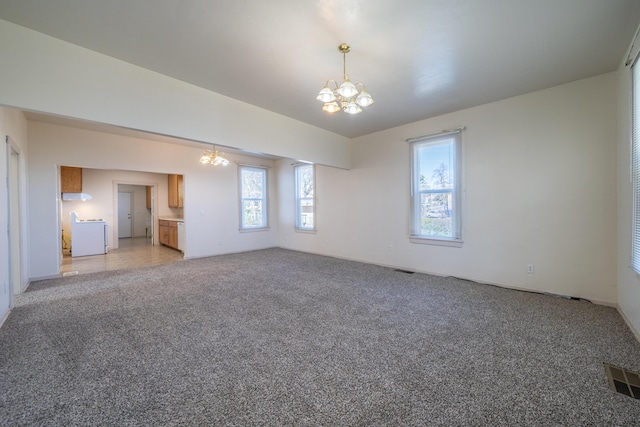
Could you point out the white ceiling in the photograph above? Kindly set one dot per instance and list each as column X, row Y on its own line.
column 418, row 58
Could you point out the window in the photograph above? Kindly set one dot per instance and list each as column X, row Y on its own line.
column 253, row 197
column 635, row 166
column 435, row 189
column 305, row 197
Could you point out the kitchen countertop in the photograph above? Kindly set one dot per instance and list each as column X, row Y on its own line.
column 171, row 219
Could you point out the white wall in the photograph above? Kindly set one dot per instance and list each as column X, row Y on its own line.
column 211, row 208
column 14, row 124
column 40, row 73
column 628, row 281
column 539, row 170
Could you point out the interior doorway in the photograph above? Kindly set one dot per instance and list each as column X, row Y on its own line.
column 135, row 208
column 15, row 244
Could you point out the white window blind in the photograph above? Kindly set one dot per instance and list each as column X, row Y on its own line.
column 635, row 167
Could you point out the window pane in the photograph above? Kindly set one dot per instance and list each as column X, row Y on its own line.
column 435, row 214
column 305, row 180
column 252, row 213
column 252, row 183
column 436, row 165
column 306, row 213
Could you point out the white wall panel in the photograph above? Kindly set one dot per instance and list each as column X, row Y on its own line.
column 539, row 181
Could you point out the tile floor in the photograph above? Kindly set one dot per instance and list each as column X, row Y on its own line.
column 134, row 252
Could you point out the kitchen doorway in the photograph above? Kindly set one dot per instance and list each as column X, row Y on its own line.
column 142, row 248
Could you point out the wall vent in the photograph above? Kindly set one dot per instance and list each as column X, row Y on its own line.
column 623, row 381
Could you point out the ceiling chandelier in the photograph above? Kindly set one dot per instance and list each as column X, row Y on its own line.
column 344, row 97
column 214, row 158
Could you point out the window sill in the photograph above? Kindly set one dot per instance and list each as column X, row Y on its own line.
column 436, row 242
column 305, row 230
column 252, row 230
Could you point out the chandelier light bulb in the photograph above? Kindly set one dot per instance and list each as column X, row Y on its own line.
column 326, row 94
column 352, row 108
column 331, row 107
column 364, row 99
column 347, row 89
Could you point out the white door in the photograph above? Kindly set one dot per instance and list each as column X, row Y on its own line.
column 124, row 215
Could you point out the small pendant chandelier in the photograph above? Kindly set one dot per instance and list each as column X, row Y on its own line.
column 346, row 96
column 214, row 158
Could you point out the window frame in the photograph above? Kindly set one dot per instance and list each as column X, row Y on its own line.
column 264, row 199
column 635, row 167
column 298, row 199
column 457, row 207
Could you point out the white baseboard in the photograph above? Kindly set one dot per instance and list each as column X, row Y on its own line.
column 36, row 279
column 634, row 331
column 6, row 316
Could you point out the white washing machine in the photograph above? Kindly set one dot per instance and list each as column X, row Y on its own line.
column 88, row 236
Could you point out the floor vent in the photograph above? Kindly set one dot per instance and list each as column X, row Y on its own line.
column 399, row 270
column 623, row 381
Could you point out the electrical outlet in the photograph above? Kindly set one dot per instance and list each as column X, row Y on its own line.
column 530, row 269
column 390, row 248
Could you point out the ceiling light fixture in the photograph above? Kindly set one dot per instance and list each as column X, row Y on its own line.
column 344, row 97
column 214, row 158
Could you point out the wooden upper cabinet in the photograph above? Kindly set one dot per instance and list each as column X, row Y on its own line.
column 70, row 179
column 176, row 191
column 148, row 197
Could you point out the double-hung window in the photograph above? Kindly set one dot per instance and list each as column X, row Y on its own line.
column 305, row 197
column 436, row 189
column 253, row 197
column 635, row 166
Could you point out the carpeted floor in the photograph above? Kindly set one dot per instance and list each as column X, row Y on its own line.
column 277, row 337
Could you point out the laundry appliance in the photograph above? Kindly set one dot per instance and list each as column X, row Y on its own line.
column 88, row 236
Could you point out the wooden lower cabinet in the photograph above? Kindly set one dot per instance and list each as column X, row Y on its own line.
column 168, row 233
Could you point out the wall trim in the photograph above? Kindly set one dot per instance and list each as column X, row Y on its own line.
column 634, row 331
column 6, row 316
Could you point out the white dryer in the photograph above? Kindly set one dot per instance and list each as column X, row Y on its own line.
column 88, row 236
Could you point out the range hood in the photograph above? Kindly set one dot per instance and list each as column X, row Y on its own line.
column 76, row 196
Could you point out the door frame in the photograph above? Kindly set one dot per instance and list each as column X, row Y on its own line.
column 15, row 210
column 154, row 208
